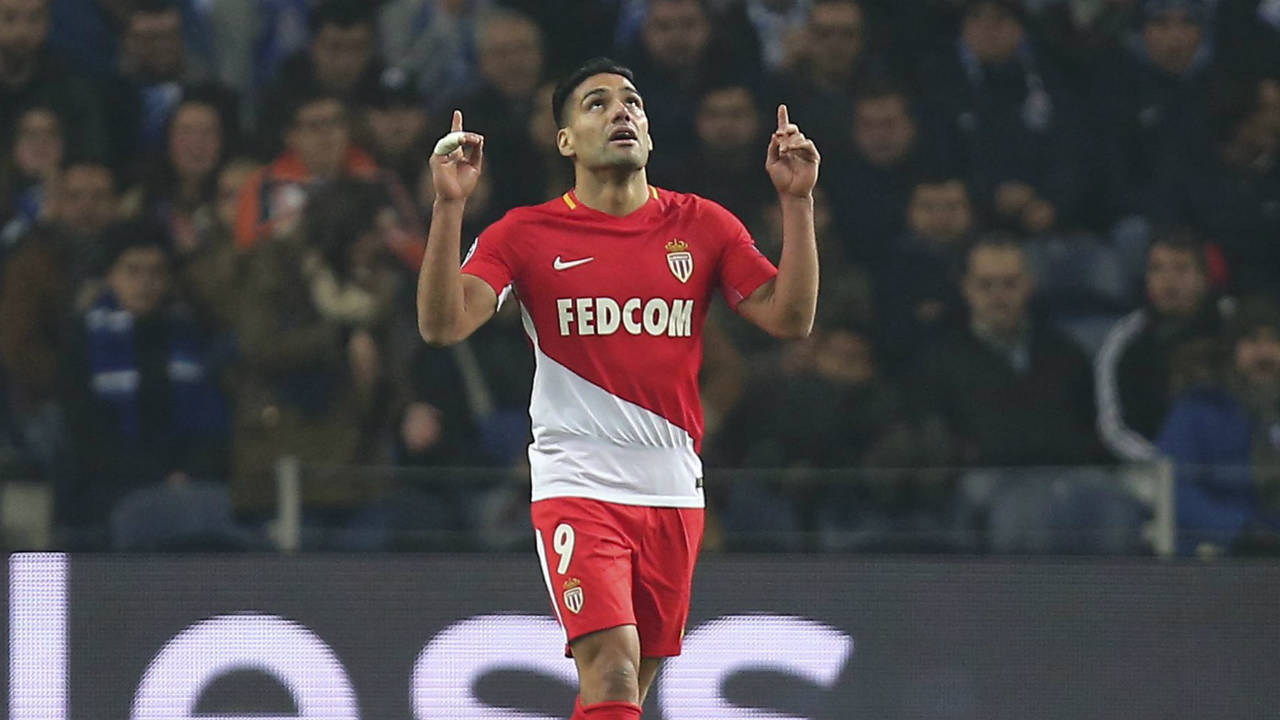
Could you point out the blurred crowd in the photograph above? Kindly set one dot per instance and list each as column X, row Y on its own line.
column 1049, row 229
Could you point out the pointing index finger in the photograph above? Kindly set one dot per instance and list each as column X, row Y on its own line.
column 457, row 120
column 783, row 119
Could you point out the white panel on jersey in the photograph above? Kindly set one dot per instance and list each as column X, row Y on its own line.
column 590, row 443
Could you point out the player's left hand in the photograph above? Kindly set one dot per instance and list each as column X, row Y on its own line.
column 793, row 159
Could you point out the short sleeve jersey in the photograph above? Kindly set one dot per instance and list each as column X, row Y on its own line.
column 614, row 307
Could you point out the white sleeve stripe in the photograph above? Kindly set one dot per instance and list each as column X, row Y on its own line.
column 1118, row 437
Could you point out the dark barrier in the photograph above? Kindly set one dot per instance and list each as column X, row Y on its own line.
column 466, row 637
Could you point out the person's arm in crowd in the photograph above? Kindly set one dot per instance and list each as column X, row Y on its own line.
column 1124, row 442
column 29, row 287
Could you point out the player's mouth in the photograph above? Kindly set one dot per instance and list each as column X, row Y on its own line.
column 624, row 136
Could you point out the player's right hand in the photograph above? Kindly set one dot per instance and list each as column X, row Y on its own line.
column 454, row 176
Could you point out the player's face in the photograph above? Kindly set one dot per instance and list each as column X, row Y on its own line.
column 607, row 127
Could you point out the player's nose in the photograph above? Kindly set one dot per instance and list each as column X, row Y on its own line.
column 621, row 113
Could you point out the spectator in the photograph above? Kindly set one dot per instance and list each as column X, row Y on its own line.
column 1231, row 192
column 1132, row 370
column 1006, row 119
column 395, row 124
column 435, row 40
column 780, row 25
column 142, row 401
column 832, row 64
column 1016, row 397
column 1248, row 36
column 918, row 291
column 844, row 298
column 1223, row 438
column 49, row 273
column 870, row 193
column 207, row 273
column 823, row 407
column 680, row 55
column 30, row 76
column 253, row 39
column 153, row 69
column 183, row 177
column 53, row 271
column 28, row 171
column 341, row 61
column 510, row 47
column 537, row 160
column 729, row 139
column 319, row 151
column 1012, row 391
column 1155, row 96
column 1085, row 39
column 317, row 337
column 89, row 34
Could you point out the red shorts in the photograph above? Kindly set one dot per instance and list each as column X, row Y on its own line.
column 608, row 564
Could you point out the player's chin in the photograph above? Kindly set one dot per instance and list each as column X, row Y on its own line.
column 626, row 161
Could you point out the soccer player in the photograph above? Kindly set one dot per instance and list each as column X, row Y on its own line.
column 613, row 280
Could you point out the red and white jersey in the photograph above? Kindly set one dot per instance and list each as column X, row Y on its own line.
column 614, row 307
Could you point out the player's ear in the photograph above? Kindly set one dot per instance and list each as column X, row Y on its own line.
column 648, row 138
column 564, row 143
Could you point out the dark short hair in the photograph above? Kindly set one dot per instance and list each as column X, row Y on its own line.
column 310, row 98
column 879, row 88
column 153, row 7
column 1251, row 315
column 1182, row 239
column 74, row 161
column 596, row 66
column 120, row 237
column 1232, row 101
column 1012, row 8
column 992, row 241
column 342, row 13
column 339, row 213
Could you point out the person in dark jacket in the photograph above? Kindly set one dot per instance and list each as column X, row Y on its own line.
column 1012, row 390
column 1017, row 399
column 1225, row 439
column 143, row 401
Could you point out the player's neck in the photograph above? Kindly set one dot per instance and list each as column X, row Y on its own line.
column 618, row 196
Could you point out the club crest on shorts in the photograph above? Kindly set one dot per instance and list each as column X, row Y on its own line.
column 573, row 595
column 680, row 260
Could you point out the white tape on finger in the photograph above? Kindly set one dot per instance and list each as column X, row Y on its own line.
column 450, row 142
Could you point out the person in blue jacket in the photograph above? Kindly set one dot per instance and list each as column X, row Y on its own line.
column 1223, row 433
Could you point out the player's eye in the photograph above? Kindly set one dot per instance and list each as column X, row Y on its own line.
column 596, row 103
column 634, row 101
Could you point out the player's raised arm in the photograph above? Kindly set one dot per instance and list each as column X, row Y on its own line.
column 785, row 306
column 452, row 305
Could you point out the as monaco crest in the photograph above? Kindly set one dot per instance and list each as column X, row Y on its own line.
column 680, row 260
column 573, row 595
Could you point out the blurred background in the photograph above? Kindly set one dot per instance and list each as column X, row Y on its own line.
column 1050, row 235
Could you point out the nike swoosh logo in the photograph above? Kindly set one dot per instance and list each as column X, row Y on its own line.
column 565, row 265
